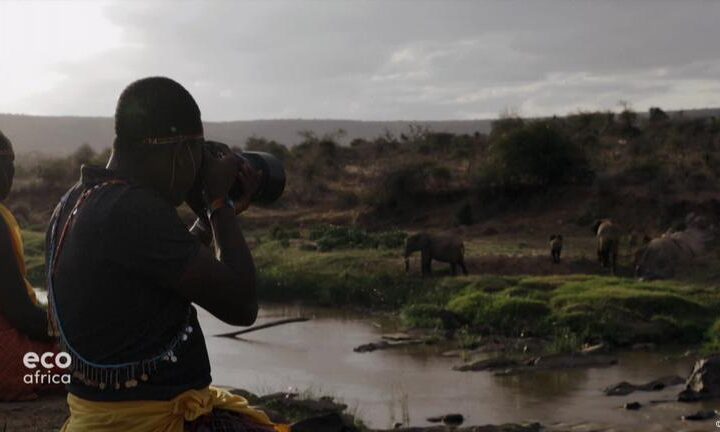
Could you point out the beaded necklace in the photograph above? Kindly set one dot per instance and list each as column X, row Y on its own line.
column 90, row 373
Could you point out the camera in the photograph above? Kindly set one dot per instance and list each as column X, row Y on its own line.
column 272, row 173
column 272, row 177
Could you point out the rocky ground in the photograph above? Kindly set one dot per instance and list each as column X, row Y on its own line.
column 306, row 415
column 323, row 414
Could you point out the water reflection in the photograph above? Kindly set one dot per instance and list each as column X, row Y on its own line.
column 410, row 384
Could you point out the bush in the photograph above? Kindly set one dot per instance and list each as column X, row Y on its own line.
column 643, row 171
column 329, row 237
column 283, row 234
column 712, row 337
column 490, row 283
column 408, row 186
column 347, row 199
column 391, row 239
column 471, row 306
column 268, row 146
column 505, row 125
column 516, row 315
column 464, row 214
column 422, row 316
column 502, row 314
column 536, row 154
column 628, row 312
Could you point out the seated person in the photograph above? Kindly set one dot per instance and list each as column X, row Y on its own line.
column 125, row 272
column 23, row 321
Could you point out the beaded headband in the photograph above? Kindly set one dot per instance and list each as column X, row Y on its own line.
column 172, row 139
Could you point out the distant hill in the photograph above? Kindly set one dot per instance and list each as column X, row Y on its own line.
column 62, row 135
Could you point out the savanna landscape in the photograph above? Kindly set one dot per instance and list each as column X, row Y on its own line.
column 336, row 240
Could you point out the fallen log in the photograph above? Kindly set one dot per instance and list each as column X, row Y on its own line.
column 262, row 326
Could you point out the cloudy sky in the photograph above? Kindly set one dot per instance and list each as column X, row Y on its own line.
column 368, row 60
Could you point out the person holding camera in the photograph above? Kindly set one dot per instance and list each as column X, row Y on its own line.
column 124, row 272
column 23, row 319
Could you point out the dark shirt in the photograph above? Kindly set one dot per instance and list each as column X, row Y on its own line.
column 113, row 288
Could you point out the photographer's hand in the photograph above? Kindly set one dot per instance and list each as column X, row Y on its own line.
column 194, row 200
column 219, row 171
column 249, row 178
column 225, row 288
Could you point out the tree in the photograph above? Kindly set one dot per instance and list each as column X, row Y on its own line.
column 537, row 154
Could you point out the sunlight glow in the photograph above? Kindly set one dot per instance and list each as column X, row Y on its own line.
column 38, row 36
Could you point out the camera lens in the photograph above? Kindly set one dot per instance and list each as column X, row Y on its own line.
column 272, row 177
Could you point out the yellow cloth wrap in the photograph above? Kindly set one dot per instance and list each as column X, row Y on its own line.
column 157, row 416
column 17, row 242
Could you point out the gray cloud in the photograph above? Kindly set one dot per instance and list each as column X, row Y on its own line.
column 404, row 59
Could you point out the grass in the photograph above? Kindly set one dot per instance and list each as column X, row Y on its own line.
column 570, row 309
column 34, row 242
column 371, row 278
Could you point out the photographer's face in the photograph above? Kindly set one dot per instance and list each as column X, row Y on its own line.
column 187, row 159
column 7, row 172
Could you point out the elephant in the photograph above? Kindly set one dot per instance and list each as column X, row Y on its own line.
column 608, row 243
column 556, row 245
column 444, row 248
column 661, row 256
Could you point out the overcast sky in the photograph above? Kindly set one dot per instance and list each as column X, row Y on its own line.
column 383, row 60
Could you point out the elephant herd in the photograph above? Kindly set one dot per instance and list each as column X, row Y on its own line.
column 653, row 258
column 660, row 257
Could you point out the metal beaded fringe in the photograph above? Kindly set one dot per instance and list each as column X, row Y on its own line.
column 93, row 374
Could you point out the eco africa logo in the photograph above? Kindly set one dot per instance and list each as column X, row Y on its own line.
column 48, row 368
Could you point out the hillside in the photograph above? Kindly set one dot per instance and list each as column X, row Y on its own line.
column 62, row 135
column 526, row 174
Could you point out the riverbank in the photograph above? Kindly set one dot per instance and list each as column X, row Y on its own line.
column 306, row 414
column 318, row 415
column 513, row 289
column 567, row 310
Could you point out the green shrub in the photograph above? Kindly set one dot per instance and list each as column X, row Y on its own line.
column 712, row 337
column 330, row 237
column 623, row 312
column 422, row 316
column 515, row 315
column 645, row 303
column 391, row 239
column 565, row 340
column 471, row 306
column 643, row 171
column 407, row 186
column 281, row 233
column 490, row 283
column 541, row 283
column 503, row 314
column 34, row 244
column 536, row 154
column 464, row 215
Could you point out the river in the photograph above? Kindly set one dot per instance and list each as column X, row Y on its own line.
column 410, row 384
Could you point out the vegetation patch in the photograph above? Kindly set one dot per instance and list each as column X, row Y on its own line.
column 34, row 242
column 329, row 237
column 422, row 316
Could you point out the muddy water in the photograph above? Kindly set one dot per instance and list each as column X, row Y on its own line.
column 408, row 385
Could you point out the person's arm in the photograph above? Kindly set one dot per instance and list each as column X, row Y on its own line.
column 15, row 303
column 224, row 284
